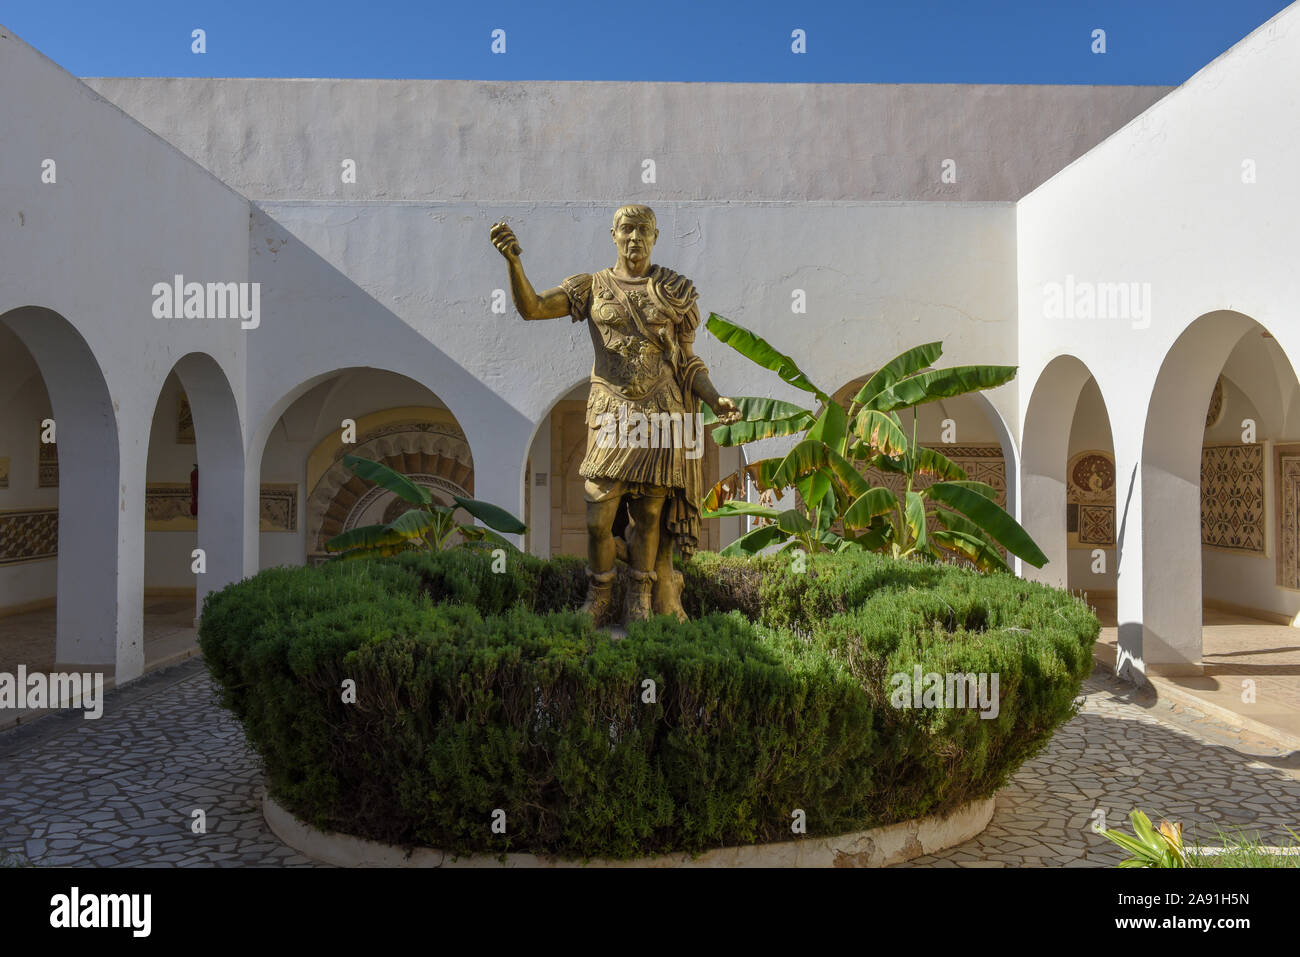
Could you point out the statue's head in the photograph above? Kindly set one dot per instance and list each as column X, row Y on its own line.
column 634, row 232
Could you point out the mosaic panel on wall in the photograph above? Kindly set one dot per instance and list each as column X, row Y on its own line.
column 1286, row 482
column 167, row 508
column 1090, row 498
column 47, row 464
column 1232, row 497
column 28, row 535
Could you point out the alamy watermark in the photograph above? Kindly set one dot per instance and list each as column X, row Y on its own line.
column 1075, row 299
column 179, row 299
column 657, row 430
column 57, row 690
column 953, row 690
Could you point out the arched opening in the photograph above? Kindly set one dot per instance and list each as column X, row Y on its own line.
column 66, row 606
column 307, row 495
column 1220, row 479
column 1069, row 480
column 1064, row 420
column 554, row 502
column 193, row 503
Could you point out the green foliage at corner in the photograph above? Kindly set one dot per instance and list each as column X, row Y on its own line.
column 477, row 691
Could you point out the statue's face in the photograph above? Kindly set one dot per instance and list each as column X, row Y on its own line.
column 634, row 238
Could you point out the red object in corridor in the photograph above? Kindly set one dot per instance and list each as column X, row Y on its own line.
column 194, row 490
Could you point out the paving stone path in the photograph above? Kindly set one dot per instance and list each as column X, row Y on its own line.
column 122, row 790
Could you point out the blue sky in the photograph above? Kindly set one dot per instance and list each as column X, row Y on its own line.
column 926, row 41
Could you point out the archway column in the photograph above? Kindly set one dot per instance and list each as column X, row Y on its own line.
column 222, row 485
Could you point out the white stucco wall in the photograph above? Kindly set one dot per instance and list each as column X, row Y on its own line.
column 127, row 211
column 547, row 142
column 1162, row 202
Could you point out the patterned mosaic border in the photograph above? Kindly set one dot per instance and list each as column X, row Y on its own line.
column 29, row 535
column 167, row 508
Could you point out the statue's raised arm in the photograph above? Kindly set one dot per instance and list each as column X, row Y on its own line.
column 550, row 304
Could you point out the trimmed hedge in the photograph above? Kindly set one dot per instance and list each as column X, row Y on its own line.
column 478, row 691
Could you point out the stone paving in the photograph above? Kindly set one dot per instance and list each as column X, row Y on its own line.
column 121, row 790
column 28, row 639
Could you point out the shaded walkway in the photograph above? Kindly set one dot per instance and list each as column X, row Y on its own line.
column 1236, row 649
column 28, row 639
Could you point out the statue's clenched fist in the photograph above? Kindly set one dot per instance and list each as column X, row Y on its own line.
column 727, row 411
column 503, row 238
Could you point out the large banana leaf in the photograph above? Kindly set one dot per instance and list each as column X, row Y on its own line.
column 984, row 556
column 982, row 488
column 936, row 463
column 738, row 507
column 366, row 536
column 808, row 456
column 915, row 512
column 909, row 362
column 384, row 477
column 755, row 541
column 813, row 488
column 850, row 479
column 794, row 523
column 873, row 502
column 759, row 350
column 831, row 426
column 492, row 516
column 940, row 384
column 990, row 517
column 414, row 523
column 762, row 418
column 881, row 430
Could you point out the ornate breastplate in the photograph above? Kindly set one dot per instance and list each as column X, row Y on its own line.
column 633, row 352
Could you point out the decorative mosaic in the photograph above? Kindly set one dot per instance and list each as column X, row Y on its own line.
column 1090, row 499
column 1232, row 497
column 167, row 508
column 278, row 508
column 47, row 464
column 28, row 535
column 1287, row 480
column 1096, row 525
column 1092, row 479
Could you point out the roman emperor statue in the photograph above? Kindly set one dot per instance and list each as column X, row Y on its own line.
column 642, row 319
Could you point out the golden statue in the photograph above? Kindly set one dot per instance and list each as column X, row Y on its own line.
column 642, row 320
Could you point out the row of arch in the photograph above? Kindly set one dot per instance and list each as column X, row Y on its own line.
column 1159, row 484
column 1159, row 586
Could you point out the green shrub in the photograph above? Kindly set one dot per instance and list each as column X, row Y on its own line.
column 478, row 691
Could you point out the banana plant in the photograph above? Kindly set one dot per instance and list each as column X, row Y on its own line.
column 823, row 467
column 425, row 526
column 1150, row 847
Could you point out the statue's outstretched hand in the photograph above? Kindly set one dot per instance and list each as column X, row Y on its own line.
column 503, row 238
column 726, row 410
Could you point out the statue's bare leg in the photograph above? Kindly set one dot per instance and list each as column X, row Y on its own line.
column 603, row 499
column 668, row 581
column 643, row 552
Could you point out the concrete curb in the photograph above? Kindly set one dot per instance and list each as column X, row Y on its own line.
column 878, row 847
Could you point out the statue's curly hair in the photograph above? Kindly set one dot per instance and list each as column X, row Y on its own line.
column 636, row 212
